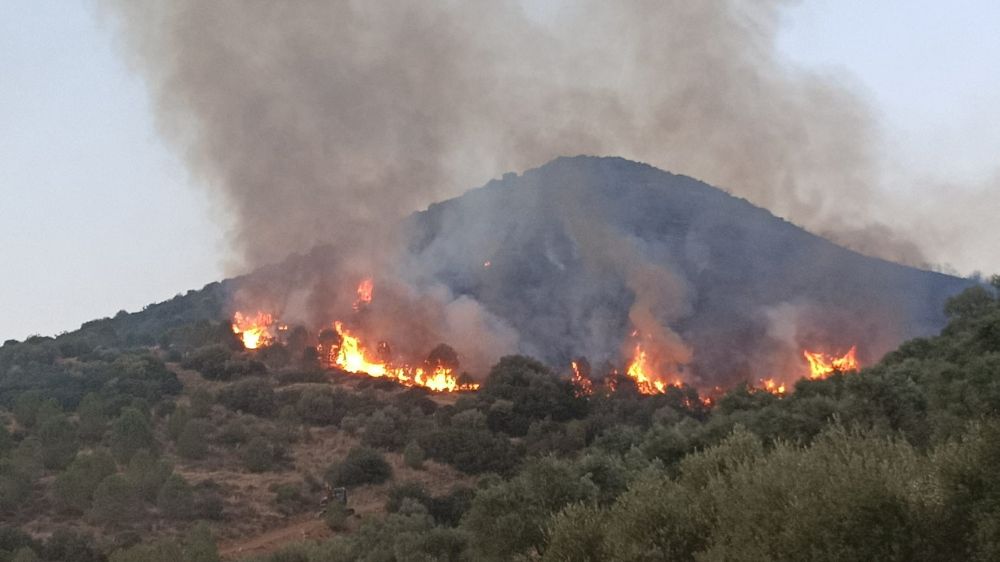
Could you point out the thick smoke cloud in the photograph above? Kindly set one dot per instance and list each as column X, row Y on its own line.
column 319, row 121
column 326, row 122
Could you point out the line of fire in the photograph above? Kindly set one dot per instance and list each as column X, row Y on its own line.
column 338, row 347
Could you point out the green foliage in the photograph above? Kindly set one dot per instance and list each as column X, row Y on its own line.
column 74, row 488
column 196, row 546
column 509, row 519
column 67, row 545
column 362, row 465
column 413, row 456
column 192, row 443
column 59, row 442
column 175, row 499
column 473, row 451
column 534, row 393
column 289, row 498
column 116, row 502
column 259, row 455
column 15, row 486
column 335, row 516
column 146, row 474
column 92, row 418
column 130, row 432
column 386, row 429
column 253, row 396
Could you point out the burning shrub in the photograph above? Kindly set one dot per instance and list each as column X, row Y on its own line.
column 362, row 465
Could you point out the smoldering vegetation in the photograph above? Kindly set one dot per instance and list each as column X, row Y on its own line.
column 570, row 258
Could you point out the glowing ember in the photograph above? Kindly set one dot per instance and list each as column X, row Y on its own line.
column 366, row 289
column 351, row 356
column 253, row 330
column 822, row 365
column 583, row 385
column 774, row 387
column 642, row 372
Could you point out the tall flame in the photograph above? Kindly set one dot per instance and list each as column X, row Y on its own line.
column 366, row 289
column 822, row 365
column 253, row 330
column 351, row 357
column 582, row 384
column 641, row 370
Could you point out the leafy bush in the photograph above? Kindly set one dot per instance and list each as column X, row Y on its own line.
column 175, row 499
column 130, row 432
column 253, row 396
column 193, row 440
column 74, row 488
column 413, row 456
column 362, row 465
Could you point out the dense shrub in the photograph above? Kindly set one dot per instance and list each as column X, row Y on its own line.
column 362, row 465
column 253, row 396
column 74, row 488
column 193, row 440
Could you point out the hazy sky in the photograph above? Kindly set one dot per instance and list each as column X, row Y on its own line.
column 97, row 215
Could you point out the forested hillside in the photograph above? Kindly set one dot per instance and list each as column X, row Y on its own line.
column 181, row 444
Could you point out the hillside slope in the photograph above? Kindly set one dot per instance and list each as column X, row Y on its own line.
column 754, row 288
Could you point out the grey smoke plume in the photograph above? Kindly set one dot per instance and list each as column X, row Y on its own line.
column 326, row 122
column 318, row 121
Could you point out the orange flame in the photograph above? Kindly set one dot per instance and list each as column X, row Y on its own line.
column 253, row 330
column 822, row 365
column 641, row 370
column 366, row 290
column 774, row 387
column 584, row 386
column 351, row 357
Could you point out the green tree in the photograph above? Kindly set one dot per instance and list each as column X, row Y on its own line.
column 176, row 498
column 130, row 432
column 15, row 486
column 362, row 465
column 193, row 440
column 258, row 455
column 146, row 474
column 413, row 456
column 116, row 502
column 74, row 488
column 59, row 442
column 92, row 419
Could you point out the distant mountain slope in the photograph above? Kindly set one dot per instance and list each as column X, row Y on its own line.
column 564, row 253
column 755, row 287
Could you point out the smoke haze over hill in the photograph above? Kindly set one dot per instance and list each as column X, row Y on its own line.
column 327, row 121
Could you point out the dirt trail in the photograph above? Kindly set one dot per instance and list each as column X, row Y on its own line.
column 303, row 527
